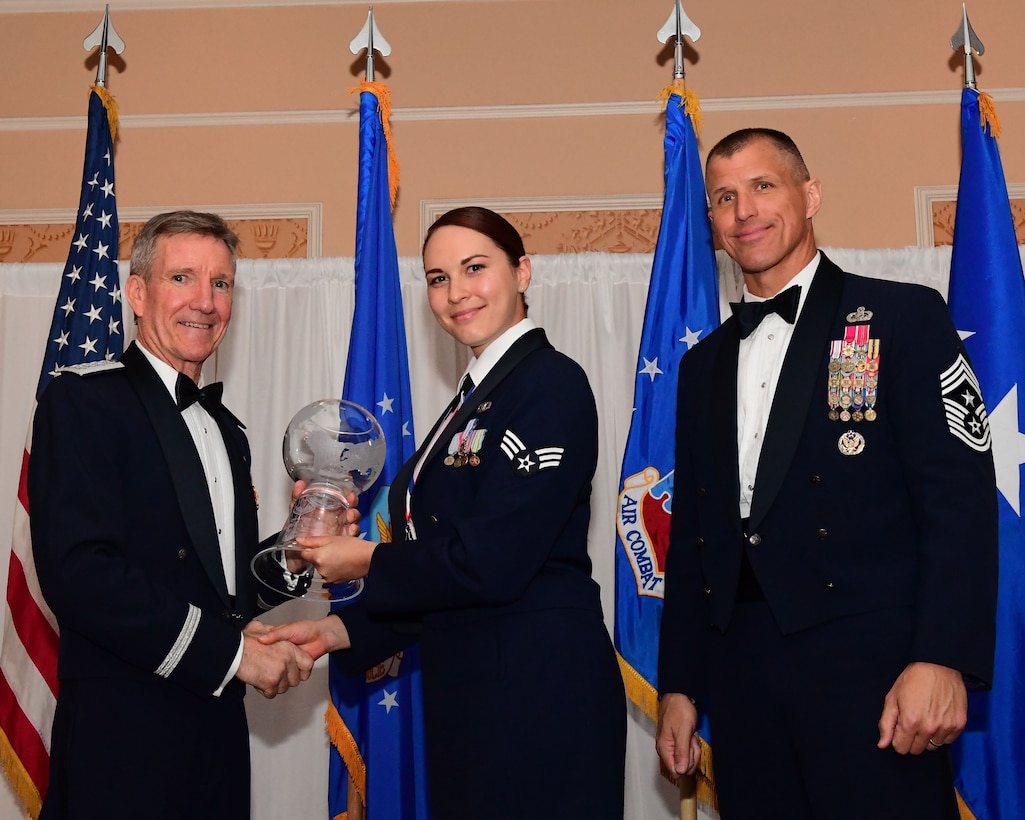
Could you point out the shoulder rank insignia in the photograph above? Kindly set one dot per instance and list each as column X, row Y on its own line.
column 967, row 419
column 860, row 315
column 89, row 368
column 528, row 462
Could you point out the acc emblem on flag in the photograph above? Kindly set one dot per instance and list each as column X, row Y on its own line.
column 642, row 519
column 967, row 419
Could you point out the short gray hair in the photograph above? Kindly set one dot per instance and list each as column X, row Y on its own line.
column 174, row 223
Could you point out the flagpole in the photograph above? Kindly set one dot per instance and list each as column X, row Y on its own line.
column 378, row 763
column 676, row 27
column 986, row 296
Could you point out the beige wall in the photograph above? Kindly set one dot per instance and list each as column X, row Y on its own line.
column 195, row 87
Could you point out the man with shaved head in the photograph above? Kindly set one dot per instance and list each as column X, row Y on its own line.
column 831, row 578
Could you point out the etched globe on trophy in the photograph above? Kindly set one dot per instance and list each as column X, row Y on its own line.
column 337, row 448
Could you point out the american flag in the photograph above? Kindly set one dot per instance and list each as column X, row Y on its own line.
column 87, row 327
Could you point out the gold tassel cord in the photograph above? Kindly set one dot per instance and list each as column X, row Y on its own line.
column 380, row 90
column 988, row 114
column 688, row 100
column 111, row 105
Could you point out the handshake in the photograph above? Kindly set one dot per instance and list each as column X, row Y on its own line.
column 274, row 659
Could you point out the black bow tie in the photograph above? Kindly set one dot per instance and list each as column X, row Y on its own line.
column 750, row 314
column 187, row 393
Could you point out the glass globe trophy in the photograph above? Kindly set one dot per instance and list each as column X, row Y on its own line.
column 337, row 448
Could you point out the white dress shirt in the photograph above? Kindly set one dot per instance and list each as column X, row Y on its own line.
column 761, row 360
column 214, row 456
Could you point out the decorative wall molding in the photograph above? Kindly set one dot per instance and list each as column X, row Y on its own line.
column 273, row 230
column 610, row 224
column 647, row 108
column 935, row 206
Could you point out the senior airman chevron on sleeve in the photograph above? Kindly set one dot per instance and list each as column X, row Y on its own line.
column 528, row 462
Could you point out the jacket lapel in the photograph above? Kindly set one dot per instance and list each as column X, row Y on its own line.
column 183, row 463
column 795, row 389
column 246, row 526
column 723, row 400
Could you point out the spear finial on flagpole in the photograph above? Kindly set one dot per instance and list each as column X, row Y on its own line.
column 105, row 37
column 370, row 38
column 965, row 38
column 678, row 25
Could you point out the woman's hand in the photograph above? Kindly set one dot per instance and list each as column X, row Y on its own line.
column 338, row 557
column 314, row 637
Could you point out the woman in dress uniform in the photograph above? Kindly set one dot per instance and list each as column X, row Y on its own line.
column 525, row 713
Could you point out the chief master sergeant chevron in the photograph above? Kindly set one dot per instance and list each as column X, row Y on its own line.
column 831, row 578
column 143, row 522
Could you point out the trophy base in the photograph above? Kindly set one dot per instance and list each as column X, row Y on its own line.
column 282, row 569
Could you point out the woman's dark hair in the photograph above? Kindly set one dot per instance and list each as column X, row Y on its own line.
column 494, row 226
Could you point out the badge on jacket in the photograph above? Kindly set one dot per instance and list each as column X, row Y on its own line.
column 527, row 462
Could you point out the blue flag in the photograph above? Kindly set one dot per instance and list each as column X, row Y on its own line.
column 987, row 301
column 682, row 308
column 379, row 738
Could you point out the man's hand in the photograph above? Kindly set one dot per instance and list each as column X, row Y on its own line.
column 925, row 708
column 316, row 638
column 256, row 628
column 351, row 517
column 676, row 739
column 272, row 668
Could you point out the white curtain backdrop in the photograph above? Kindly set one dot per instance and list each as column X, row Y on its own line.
column 287, row 347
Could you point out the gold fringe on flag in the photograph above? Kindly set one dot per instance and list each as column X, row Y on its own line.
column 638, row 690
column 380, row 90
column 988, row 114
column 19, row 778
column 111, row 105
column 962, row 807
column 342, row 739
column 706, row 778
column 688, row 100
